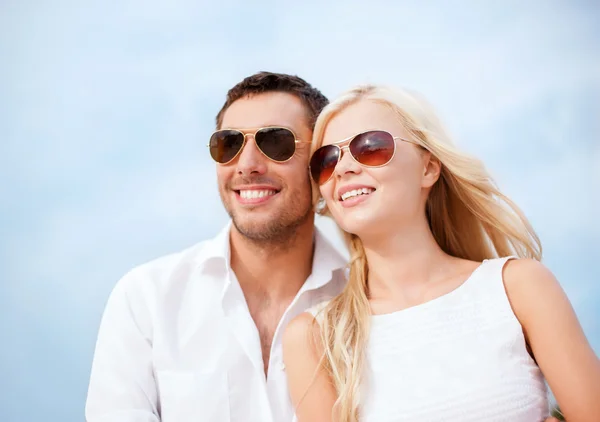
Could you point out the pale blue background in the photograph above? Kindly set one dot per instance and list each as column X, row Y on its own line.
column 106, row 106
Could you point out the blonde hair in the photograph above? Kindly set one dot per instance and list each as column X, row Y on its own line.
column 468, row 215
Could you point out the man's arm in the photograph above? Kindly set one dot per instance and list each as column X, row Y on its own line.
column 122, row 385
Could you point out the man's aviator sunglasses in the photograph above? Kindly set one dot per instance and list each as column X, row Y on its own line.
column 276, row 143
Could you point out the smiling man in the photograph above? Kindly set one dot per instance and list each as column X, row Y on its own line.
column 196, row 336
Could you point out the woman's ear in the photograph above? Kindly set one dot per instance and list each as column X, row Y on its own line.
column 432, row 168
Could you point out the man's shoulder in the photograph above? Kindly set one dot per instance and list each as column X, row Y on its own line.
column 161, row 272
column 159, row 287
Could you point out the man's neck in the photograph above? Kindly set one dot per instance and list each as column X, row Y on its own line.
column 275, row 269
column 270, row 275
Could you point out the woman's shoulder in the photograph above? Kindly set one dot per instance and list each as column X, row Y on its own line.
column 530, row 287
column 304, row 327
column 317, row 310
column 526, row 276
column 519, row 267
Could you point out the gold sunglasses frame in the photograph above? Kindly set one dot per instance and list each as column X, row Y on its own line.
column 296, row 141
column 349, row 140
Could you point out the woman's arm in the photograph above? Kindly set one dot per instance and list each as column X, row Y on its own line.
column 556, row 338
column 311, row 389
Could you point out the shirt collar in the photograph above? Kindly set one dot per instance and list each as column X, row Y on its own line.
column 216, row 253
column 216, row 256
column 326, row 261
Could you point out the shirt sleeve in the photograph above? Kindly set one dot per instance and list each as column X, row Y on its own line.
column 122, row 385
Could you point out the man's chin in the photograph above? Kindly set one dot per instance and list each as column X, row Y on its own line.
column 270, row 228
column 268, row 223
column 247, row 221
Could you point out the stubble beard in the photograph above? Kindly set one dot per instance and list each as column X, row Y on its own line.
column 277, row 232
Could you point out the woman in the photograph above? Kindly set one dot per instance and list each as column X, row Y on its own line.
column 448, row 313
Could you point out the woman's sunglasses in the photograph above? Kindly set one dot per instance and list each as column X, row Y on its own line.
column 276, row 143
column 374, row 148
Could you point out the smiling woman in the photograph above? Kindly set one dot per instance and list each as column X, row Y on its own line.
column 448, row 310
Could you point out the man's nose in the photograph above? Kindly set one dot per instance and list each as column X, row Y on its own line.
column 251, row 160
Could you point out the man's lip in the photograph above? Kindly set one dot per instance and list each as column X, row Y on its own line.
column 347, row 188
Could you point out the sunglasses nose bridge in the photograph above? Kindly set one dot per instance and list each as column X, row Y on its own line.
column 246, row 136
column 342, row 152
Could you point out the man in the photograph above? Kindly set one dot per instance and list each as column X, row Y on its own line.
column 196, row 336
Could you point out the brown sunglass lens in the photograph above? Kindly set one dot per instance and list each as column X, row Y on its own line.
column 323, row 162
column 374, row 148
column 279, row 144
column 225, row 144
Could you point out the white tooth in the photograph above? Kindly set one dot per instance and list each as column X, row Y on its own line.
column 356, row 192
column 253, row 194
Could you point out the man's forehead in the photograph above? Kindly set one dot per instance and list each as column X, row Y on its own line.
column 268, row 109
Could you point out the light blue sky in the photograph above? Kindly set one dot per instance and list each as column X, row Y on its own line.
column 105, row 110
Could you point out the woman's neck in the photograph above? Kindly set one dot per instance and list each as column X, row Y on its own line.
column 403, row 260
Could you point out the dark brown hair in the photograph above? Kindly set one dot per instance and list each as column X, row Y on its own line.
column 314, row 101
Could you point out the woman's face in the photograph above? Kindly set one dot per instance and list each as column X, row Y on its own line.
column 364, row 200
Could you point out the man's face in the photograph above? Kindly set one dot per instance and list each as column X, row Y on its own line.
column 267, row 200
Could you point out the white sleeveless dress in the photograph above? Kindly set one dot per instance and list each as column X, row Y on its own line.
column 459, row 357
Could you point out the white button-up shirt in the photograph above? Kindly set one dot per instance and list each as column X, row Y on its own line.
column 177, row 342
